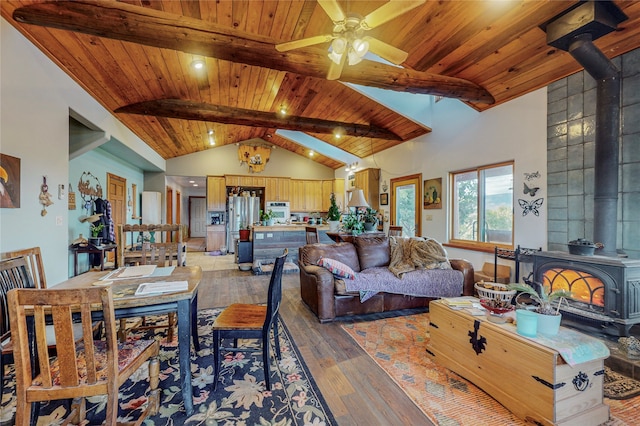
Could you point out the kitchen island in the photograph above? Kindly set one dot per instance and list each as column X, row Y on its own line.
column 270, row 241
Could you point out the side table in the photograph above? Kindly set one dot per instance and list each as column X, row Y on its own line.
column 89, row 248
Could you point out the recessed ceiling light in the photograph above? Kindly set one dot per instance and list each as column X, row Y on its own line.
column 311, row 153
column 197, row 64
column 192, row 181
column 195, row 184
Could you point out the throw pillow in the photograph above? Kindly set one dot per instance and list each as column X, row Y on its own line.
column 337, row 268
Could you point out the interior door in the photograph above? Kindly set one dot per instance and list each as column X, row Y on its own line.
column 406, row 204
column 197, row 217
column 117, row 197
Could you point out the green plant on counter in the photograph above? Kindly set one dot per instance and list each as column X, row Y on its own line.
column 370, row 215
column 543, row 299
column 266, row 215
column 334, row 212
column 352, row 222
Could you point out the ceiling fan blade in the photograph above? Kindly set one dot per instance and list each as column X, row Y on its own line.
column 386, row 51
column 388, row 11
column 333, row 9
column 303, row 42
column 335, row 70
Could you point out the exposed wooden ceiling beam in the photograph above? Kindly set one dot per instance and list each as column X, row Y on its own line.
column 189, row 110
column 121, row 21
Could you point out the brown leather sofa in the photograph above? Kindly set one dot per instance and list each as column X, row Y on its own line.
column 318, row 286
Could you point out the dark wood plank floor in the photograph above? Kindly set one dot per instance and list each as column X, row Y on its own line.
column 356, row 389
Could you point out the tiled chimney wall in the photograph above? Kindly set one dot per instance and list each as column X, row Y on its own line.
column 571, row 108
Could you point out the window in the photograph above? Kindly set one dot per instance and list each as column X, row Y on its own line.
column 482, row 205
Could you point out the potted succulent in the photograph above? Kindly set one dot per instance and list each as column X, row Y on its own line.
column 95, row 233
column 370, row 218
column 549, row 316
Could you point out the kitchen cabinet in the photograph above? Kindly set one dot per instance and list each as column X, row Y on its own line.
column 216, row 237
column 306, row 195
column 276, row 189
column 245, row 181
column 216, row 193
column 369, row 181
column 335, row 186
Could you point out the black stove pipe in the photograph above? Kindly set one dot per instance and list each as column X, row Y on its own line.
column 605, row 202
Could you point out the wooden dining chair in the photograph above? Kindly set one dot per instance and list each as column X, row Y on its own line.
column 14, row 273
column 395, row 231
column 246, row 321
column 82, row 368
column 311, row 233
column 163, row 252
column 34, row 263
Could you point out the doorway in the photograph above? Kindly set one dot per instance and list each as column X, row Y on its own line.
column 116, row 195
column 406, row 204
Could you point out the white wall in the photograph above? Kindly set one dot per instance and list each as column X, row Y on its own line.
column 224, row 160
column 463, row 138
column 35, row 99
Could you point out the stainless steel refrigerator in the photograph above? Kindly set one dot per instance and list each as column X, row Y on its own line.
column 243, row 211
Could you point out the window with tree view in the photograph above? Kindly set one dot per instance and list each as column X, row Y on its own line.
column 483, row 205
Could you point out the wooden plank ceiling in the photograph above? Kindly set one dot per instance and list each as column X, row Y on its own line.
column 124, row 53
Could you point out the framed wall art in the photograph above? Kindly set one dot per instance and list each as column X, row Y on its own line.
column 432, row 193
column 384, row 199
column 9, row 182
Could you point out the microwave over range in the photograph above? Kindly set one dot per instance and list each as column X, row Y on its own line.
column 280, row 209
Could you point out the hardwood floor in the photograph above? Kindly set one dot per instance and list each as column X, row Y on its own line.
column 356, row 389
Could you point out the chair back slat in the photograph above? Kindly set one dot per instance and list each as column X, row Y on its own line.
column 42, row 349
column 311, row 234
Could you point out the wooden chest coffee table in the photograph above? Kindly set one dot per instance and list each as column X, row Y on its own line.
column 531, row 380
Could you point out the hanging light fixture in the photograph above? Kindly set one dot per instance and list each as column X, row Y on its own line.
column 348, row 39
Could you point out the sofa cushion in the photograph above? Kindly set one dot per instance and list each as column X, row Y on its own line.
column 342, row 252
column 337, row 268
column 373, row 252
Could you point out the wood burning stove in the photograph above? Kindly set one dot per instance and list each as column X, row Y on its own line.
column 606, row 289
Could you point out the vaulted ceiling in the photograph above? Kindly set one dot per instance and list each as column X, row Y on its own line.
column 135, row 58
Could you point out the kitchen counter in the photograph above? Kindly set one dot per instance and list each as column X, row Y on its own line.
column 288, row 228
column 270, row 241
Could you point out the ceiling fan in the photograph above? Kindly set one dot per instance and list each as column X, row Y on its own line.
column 348, row 42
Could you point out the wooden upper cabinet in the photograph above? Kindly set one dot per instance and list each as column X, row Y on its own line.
column 276, row 189
column 369, row 181
column 216, row 193
column 232, row 180
column 297, row 197
column 337, row 187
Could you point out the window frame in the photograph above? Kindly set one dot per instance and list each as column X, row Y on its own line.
column 474, row 244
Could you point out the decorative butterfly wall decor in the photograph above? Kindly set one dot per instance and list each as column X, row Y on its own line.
column 531, row 176
column 532, row 206
column 530, row 191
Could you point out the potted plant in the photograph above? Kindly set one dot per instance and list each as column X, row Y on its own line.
column 95, row 233
column 245, row 232
column 353, row 224
column 266, row 217
column 333, row 215
column 549, row 316
column 370, row 219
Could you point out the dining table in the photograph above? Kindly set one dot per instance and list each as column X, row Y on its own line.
column 127, row 304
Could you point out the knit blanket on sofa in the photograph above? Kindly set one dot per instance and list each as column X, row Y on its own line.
column 421, row 283
column 409, row 254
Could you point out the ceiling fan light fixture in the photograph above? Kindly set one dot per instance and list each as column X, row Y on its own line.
column 339, row 45
column 360, row 46
column 335, row 57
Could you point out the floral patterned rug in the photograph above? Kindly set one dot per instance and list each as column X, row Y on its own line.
column 240, row 398
column 398, row 345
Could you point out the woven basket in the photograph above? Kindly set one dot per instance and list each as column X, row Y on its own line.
column 502, row 294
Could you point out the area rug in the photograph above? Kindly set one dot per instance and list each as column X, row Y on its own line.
column 398, row 346
column 240, row 399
